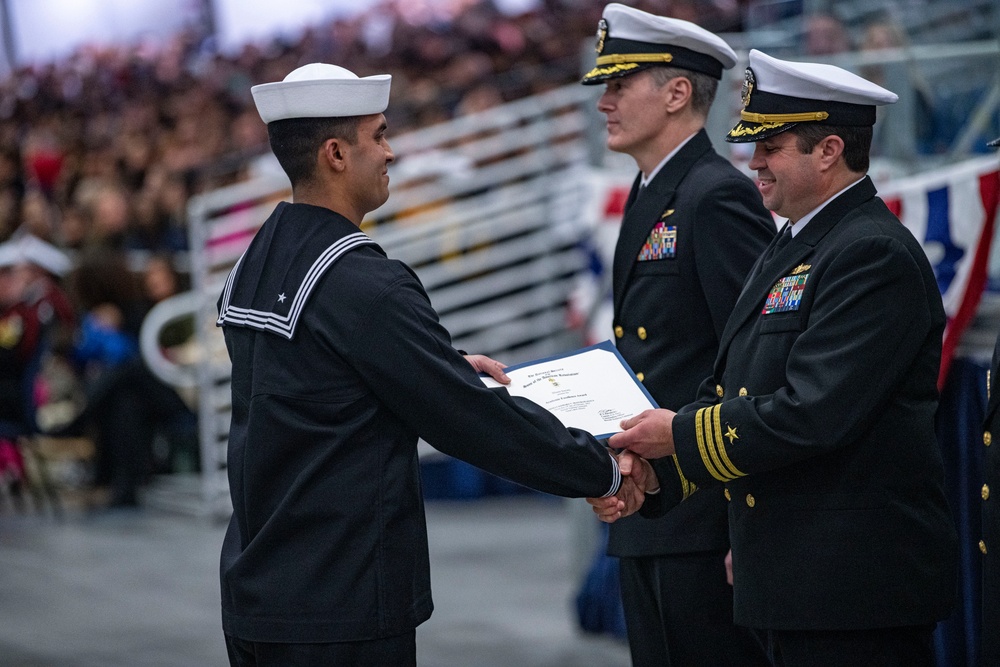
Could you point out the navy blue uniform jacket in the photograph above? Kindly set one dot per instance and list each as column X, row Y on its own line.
column 339, row 364
column 684, row 250
column 819, row 420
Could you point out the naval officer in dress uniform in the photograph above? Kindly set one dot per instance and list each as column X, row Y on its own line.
column 990, row 542
column 818, row 417
column 684, row 249
column 339, row 364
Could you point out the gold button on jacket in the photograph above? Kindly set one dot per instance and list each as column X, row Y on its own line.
column 619, row 332
column 718, row 390
column 982, row 546
column 726, row 494
column 640, row 376
column 743, row 391
column 750, row 500
column 641, row 331
column 986, row 491
column 987, row 438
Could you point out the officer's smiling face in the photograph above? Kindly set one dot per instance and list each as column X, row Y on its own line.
column 632, row 105
column 785, row 175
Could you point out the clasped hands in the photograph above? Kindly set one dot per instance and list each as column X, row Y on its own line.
column 648, row 435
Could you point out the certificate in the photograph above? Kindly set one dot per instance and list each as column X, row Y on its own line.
column 592, row 389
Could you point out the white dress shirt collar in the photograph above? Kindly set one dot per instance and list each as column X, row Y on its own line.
column 646, row 179
column 800, row 224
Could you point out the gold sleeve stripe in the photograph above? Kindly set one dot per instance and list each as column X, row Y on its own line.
column 725, row 464
column 699, row 432
column 703, row 432
column 713, row 426
column 687, row 488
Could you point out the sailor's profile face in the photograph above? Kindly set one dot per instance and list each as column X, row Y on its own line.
column 370, row 160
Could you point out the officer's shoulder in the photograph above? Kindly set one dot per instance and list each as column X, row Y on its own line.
column 716, row 174
column 713, row 165
column 873, row 220
column 877, row 235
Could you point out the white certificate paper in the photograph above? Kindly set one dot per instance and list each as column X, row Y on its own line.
column 592, row 388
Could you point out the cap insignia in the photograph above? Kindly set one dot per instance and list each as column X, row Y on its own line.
column 602, row 34
column 748, row 84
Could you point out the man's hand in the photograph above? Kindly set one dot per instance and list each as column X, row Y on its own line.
column 638, row 479
column 491, row 367
column 650, row 434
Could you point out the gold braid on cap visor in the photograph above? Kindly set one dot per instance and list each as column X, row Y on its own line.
column 614, row 69
column 741, row 130
column 623, row 58
column 784, row 117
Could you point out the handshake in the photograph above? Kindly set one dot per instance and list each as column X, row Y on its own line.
column 648, row 435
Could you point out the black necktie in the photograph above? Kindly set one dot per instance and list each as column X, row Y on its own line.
column 783, row 240
column 638, row 194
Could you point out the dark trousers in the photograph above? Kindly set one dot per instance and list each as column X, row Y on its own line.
column 400, row 651
column 911, row 646
column 127, row 404
column 679, row 613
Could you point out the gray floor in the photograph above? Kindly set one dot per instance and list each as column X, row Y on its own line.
column 140, row 589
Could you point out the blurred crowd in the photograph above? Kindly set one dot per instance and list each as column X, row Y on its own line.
column 101, row 151
column 104, row 148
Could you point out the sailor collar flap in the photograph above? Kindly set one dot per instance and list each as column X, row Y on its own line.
column 271, row 283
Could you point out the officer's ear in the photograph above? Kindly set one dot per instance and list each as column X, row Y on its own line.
column 830, row 149
column 677, row 92
column 331, row 154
